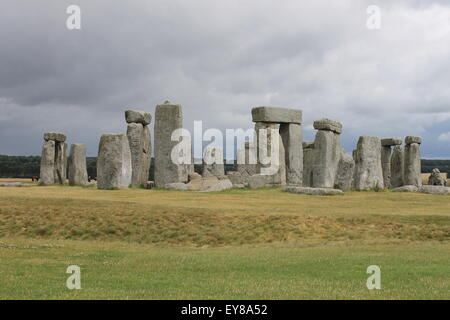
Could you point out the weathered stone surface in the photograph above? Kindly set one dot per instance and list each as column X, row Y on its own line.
column 327, row 153
column 168, row 117
column 213, row 162
column 193, row 176
column 235, row 177
column 328, row 125
column 308, row 145
column 209, row 184
column 406, row 189
column 292, row 137
column 397, row 169
column 368, row 171
column 77, row 165
column 238, row 186
column 257, row 181
column 276, row 115
column 247, row 159
column 313, row 191
column 140, row 147
column 345, row 172
column 436, row 179
column 60, row 162
column 114, row 162
column 55, row 136
column 47, row 172
column 434, row 189
column 386, row 153
column 412, row 165
column 137, row 116
column 412, row 139
column 275, row 171
column 308, row 166
column 180, row 186
column 389, row 142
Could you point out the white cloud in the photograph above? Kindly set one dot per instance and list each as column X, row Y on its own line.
column 444, row 137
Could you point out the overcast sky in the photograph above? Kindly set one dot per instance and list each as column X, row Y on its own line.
column 218, row 59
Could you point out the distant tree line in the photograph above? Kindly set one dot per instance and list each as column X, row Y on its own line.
column 28, row 166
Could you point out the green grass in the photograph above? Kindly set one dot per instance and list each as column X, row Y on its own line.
column 36, row 269
column 238, row 244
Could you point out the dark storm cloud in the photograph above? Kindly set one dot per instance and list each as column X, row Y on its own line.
column 219, row 59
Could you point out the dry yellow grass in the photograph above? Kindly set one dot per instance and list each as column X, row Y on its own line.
column 218, row 219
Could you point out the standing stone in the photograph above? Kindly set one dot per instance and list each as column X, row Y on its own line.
column 436, row 179
column 386, row 153
column 168, row 117
column 139, row 141
column 114, row 162
column 77, row 165
column 345, row 172
column 291, row 136
column 60, row 162
column 213, row 162
column 308, row 163
column 47, row 173
column 247, row 159
column 278, row 177
column 412, row 160
column 397, row 168
column 368, row 171
column 327, row 153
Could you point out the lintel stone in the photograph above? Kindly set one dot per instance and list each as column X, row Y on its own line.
column 276, row 115
column 412, row 139
column 389, row 142
column 328, row 125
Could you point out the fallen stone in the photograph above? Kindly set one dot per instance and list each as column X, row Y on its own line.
column 389, row 142
column 434, row 189
column 235, row 177
column 180, row 186
column 114, row 162
column 77, row 165
column 328, row 125
column 412, row 139
column 276, row 115
column 257, row 181
column 238, row 186
column 368, row 171
column 136, row 116
column 193, row 176
column 55, row 136
column 313, row 191
column 406, row 189
column 209, row 184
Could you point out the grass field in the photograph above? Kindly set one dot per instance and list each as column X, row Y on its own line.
column 261, row 244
